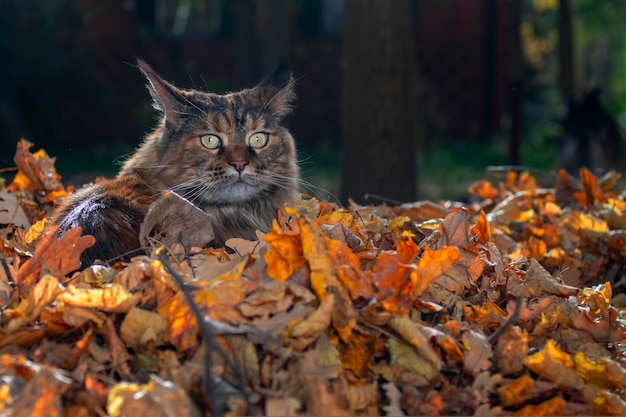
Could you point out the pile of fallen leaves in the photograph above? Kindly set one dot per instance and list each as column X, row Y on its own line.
column 500, row 307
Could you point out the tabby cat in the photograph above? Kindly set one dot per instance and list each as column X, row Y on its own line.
column 227, row 154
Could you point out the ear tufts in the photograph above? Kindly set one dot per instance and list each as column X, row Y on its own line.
column 277, row 90
column 280, row 77
column 166, row 97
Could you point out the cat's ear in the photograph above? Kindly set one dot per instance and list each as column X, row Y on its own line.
column 277, row 91
column 166, row 97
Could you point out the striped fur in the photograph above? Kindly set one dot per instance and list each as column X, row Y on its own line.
column 240, row 186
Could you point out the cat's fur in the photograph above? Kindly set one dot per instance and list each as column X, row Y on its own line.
column 239, row 186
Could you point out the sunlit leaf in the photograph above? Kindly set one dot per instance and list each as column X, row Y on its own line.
column 285, row 255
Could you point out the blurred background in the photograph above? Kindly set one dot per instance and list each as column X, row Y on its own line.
column 399, row 99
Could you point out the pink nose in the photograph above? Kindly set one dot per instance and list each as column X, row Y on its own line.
column 239, row 165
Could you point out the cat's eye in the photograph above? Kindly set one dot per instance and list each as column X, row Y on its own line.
column 211, row 141
column 258, row 140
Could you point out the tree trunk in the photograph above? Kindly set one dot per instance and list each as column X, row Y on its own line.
column 377, row 101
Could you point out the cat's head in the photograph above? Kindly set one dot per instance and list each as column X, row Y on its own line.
column 221, row 149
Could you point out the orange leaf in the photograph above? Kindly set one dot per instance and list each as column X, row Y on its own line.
column 358, row 353
column 483, row 189
column 217, row 299
column 323, row 276
column 349, row 272
column 285, row 254
column 591, row 193
column 482, row 228
column 392, row 275
column 57, row 256
column 21, row 182
column 432, row 265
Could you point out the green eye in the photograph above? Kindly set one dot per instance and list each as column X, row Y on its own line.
column 211, row 141
column 258, row 140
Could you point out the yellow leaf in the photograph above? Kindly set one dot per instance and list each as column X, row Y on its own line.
column 516, row 392
column 591, row 371
column 581, row 221
column 21, row 182
column 35, row 232
column 114, row 298
column 553, row 353
column 553, row 407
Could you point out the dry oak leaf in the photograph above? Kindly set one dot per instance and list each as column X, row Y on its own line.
column 358, row 353
column 29, row 308
column 58, row 257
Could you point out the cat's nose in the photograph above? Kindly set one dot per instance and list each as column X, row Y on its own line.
column 239, row 164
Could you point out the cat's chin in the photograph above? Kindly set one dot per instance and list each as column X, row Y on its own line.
column 238, row 192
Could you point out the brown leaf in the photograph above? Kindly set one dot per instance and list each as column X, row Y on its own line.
column 410, row 332
column 539, row 282
column 455, row 230
column 172, row 219
column 511, row 350
column 141, row 328
column 303, row 333
column 11, row 213
column 478, row 352
column 119, row 354
column 38, row 168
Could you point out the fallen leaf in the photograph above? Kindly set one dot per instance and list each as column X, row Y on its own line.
column 172, row 219
column 11, row 213
column 305, row 332
column 157, row 398
column 56, row 256
column 285, row 254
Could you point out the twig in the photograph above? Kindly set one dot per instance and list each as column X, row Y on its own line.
column 217, row 390
column 384, row 199
column 510, row 321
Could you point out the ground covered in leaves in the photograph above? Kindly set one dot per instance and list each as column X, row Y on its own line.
column 507, row 306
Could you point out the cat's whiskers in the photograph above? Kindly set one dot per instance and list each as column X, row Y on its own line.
column 287, row 182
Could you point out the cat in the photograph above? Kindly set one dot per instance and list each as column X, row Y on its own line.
column 229, row 155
